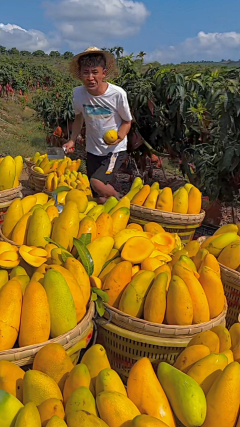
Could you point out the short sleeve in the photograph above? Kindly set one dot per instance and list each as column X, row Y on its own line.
column 123, row 107
column 76, row 101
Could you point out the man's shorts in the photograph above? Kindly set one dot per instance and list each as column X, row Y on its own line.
column 97, row 166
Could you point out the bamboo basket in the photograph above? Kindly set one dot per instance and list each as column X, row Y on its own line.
column 24, row 356
column 4, row 239
column 183, row 224
column 29, row 165
column 38, row 179
column 144, row 327
column 125, row 347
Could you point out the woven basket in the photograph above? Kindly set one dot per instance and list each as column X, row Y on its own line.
column 4, row 239
column 29, row 165
column 38, row 180
column 24, row 356
column 144, row 327
column 183, row 225
column 124, row 348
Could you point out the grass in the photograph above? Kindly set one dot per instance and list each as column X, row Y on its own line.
column 21, row 132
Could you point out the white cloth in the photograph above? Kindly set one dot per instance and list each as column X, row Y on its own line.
column 102, row 113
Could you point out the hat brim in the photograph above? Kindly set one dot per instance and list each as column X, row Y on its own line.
column 111, row 65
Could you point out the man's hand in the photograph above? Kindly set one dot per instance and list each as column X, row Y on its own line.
column 69, row 145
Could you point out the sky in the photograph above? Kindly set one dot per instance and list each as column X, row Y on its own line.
column 168, row 31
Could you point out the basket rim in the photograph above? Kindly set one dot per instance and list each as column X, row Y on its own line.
column 5, row 239
column 10, row 191
column 157, row 330
column 37, row 174
column 142, row 211
column 31, row 350
column 148, row 339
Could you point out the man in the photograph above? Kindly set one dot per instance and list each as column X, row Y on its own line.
column 103, row 106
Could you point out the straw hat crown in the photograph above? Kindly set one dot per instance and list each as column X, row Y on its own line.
column 111, row 65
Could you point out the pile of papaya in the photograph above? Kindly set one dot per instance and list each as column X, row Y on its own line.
column 10, row 172
column 186, row 200
column 201, row 389
column 45, row 166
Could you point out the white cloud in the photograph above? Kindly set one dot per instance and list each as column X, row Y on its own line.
column 14, row 36
column 205, row 46
column 96, row 22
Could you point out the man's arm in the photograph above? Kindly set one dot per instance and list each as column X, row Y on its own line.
column 76, row 129
column 123, row 131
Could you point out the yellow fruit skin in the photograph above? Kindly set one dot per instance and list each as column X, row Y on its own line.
column 194, row 201
column 201, row 311
column 11, row 379
column 13, row 215
column 229, row 355
column 78, row 377
column 19, row 233
column 9, row 408
column 7, row 173
column 214, row 291
column 10, row 313
column 189, row 356
column 38, row 387
column 75, row 290
column 133, row 298
column 28, row 414
column 146, row 420
column 88, row 226
column 151, row 200
column 81, row 399
column 78, row 271
column 123, row 203
column 119, row 220
column 66, row 226
column 223, row 398
column 35, row 318
column 165, row 200
column 207, row 338
column 151, row 264
column 184, row 394
column 49, row 408
column 192, row 248
column 235, row 334
column 146, row 393
column 218, row 242
column 137, row 249
column 116, row 281
column 39, row 228
column 109, row 380
column 100, row 249
column 228, row 228
column 82, row 418
column 104, row 225
column 156, row 301
column 207, row 370
column 180, row 201
column 61, row 305
column 211, row 262
column 79, row 197
column 108, row 268
column 179, row 303
column 53, row 361
column 96, row 360
column 224, row 337
column 116, row 409
column 198, row 259
column 230, row 256
column 153, row 228
column 141, row 196
column 124, row 235
column 28, row 202
column 55, row 421
column 3, row 278
column 52, row 212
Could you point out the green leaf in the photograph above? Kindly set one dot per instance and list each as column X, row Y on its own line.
column 66, row 255
column 52, row 241
column 85, row 239
column 60, row 189
column 103, row 295
column 100, row 307
column 84, row 256
column 94, row 297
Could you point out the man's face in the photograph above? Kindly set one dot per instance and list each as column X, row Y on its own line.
column 92, row 77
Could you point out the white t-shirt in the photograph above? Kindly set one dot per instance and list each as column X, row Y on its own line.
column 102, row 113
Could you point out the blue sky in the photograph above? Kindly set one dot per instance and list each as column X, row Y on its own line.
column 167, row 30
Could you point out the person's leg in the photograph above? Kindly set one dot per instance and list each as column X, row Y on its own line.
column 101, row 181
column 93, row 164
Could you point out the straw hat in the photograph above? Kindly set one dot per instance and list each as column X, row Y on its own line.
column 111, row 65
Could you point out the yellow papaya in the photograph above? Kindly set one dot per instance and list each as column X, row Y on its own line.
column 156, row 301
column 116, row 281
column 194, row 201
column 141, row 196
column 179, row 303
column 151, row 200
column 165, row 200
column 120, row 219
column 180, row 201
column 7, row 173
column 191, row 355
column 13, row 215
